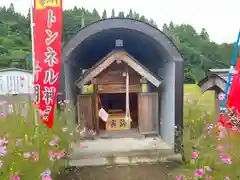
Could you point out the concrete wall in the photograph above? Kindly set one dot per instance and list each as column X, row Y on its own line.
column 16, row 82
column 167, row 114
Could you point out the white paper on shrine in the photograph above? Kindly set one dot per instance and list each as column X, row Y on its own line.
column 103, row 115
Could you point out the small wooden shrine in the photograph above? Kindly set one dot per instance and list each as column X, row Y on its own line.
column 123, row 88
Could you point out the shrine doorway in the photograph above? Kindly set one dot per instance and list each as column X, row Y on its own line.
column 115, row 105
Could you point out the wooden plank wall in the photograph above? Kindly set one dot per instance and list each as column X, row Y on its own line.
column 148, row 112
column 118, row 88
column 112, row 80
column 86, row 111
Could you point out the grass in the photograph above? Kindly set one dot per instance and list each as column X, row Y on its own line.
column 24, row 138
column 199, row 114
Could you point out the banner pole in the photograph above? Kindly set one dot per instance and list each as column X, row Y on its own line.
column 32, row 24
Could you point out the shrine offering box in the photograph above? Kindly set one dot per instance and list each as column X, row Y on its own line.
column 116, row 122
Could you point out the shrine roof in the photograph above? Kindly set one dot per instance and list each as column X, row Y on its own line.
column 109, row 60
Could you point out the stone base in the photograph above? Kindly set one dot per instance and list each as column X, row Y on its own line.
column 123, row 151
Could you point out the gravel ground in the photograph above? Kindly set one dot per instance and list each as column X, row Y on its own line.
column 134, row 172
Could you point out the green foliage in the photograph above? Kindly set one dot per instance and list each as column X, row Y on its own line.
column 198, row 51
column 25, row 137
column 199, row 114
column 104, row 15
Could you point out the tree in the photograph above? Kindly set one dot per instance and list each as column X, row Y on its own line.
column 104, row 15
column 152, row 22
column 204, row 35
column 121, row 14
column 136, row 16
column 198, row 52
column 142, row 18
column 113, row 13
column 165, row 28
column 171, row 25
column 11, row 8
column 95, row 13
column 130, row 14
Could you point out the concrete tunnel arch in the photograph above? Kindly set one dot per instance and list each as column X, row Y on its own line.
column 83, row 50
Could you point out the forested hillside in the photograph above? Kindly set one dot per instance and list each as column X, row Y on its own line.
column 198, row 51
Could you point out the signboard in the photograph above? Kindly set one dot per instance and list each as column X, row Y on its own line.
column 117, row 122
column 47, row 47
column 41, row 4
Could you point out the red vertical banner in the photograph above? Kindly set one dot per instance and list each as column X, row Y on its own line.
column 233, row 100
column 47, row 47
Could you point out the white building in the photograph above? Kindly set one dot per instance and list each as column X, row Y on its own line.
column 16, row 81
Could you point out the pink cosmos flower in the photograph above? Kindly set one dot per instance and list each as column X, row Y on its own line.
column 221, row 96
column 46, row 177
column 194, row 155
column 2, row 115
column 13, row 177
column 3, row 142
column 35, row 156
column 227, row 178
column 3, row 151
column 220, row 148
column 53, row 143
column 58, row 155
column 17, row 178
column 82, row 145
column 198, row 172
column 51, row 155
column 178, row 178
column 225, row 158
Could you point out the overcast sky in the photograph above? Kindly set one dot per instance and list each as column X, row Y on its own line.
column 221, row 18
